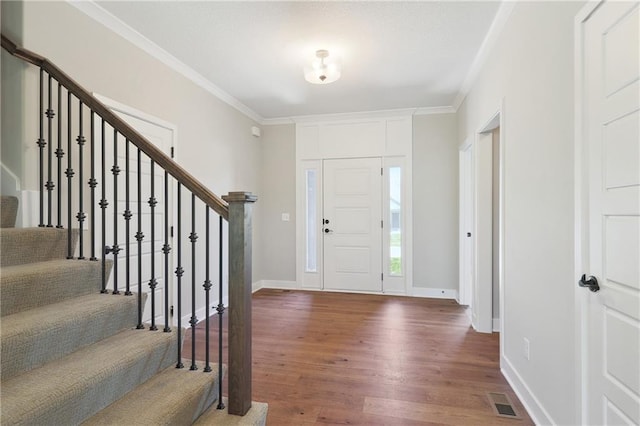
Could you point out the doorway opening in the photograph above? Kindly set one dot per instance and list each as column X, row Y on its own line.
column 481, row 226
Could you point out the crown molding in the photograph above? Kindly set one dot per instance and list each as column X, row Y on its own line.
column 435, row 110
column 363, row 115
column 96, row 12
column 506, row 7
column 277, row 121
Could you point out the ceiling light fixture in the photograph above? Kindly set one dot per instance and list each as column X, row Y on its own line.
column 322, row 70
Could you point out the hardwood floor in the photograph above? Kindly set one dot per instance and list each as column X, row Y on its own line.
column 354, row 359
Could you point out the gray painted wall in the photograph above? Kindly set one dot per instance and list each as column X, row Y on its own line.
column 435, row 201
column 278, row 245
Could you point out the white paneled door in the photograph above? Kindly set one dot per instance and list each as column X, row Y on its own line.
column 151, row 253
column 352, row 224
column 610, row 119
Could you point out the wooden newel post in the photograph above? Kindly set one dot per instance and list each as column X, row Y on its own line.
column 240, row 283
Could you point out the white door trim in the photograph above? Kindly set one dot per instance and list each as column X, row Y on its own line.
column 497, row 119
column 581, row 220
column 156, row 121
column 465, row 196
column 126, row 109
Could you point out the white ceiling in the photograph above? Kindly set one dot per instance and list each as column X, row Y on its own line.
column 395, row 54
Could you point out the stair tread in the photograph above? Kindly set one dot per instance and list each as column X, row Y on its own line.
column 40, row 283
column 64, row 390
column 256, row 416
column 36, row 336
column 172, row 397
column 45, row 318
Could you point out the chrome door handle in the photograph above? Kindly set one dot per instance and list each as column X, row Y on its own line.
column 591, row 283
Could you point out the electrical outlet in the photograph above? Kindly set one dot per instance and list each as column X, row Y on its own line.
column 527, row 349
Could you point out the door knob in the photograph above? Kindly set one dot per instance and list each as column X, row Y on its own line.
column 591, row 283
column 327, row 230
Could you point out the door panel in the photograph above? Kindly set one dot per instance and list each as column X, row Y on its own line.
column 611, row 70
column 163, row 138
column 353, row 234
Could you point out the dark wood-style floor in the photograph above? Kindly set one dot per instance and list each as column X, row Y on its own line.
column 355, row 359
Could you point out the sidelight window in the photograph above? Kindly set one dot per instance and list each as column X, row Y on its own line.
column 311, row 231
column 395, row 220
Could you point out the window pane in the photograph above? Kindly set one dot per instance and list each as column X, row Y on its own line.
column 312, row 222
column 395, row 214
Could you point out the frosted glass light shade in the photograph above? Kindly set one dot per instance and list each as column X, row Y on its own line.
column 322, row 70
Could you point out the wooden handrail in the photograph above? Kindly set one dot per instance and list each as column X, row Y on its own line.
column 159, row 157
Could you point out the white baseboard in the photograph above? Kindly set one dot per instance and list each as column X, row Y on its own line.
column 496, row 325
column 201, row 313
column 435, row 293
column 277, row 284
column 30, row 208
column 534, row 408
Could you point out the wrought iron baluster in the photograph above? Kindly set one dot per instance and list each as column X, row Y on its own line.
column 92, row 184
column 139, row 238
column 127, row 217
column 103, row 206
column 220, row 310
column 179, row 273
column 207, row 289
column 69, row 173
column 193, row 237
column 115, row 249
column 41, row 144
column 59, row 155
column 166, row 249
column 153, row 282
column 80, row 216
column 49, row 185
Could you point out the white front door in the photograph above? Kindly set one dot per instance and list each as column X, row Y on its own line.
column 610, row 72
column 162, row 136
column 352, row 224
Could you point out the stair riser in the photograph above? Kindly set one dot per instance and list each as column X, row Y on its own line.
column 49, row 282
column 27, row 344
column 27, row 245
column 161, row 403
column 8, row 211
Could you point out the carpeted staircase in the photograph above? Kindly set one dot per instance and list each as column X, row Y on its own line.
column 71, row 355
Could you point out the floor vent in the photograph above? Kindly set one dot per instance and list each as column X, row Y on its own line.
column 502, row 405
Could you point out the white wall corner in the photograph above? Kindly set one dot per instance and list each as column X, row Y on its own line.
column 534, row 408
column 496, row 325
column 256, row 286
column 435, row 293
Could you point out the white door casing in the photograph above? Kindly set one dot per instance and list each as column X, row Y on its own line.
column 482, row 283
column 352, row 230
column 466, row 226
column 162, row 135
column 354, row 136
column 608, row 210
